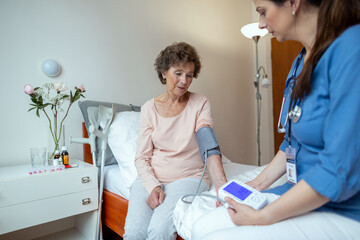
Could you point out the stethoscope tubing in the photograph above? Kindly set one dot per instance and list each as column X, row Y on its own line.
column 287, row 84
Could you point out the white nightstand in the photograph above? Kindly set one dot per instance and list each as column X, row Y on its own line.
column 55, row 205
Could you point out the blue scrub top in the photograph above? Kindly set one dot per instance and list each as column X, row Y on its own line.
column 327, row 136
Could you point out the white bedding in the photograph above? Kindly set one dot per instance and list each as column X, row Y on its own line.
column 114, row 182
column 186, row 214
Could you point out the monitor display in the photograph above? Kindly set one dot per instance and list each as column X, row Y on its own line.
column 238, row 191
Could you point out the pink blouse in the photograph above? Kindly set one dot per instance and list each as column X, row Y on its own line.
column 167, row 148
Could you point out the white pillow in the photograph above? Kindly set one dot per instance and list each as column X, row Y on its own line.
column 123, row 135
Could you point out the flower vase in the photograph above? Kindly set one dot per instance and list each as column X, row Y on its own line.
column 42, row 100
column 57, row 137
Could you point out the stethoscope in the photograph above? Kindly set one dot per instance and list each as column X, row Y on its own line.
column 295, row 113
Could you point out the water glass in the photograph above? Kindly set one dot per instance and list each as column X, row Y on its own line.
column 38, row 156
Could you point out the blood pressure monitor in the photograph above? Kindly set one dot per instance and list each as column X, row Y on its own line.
column 243, row 193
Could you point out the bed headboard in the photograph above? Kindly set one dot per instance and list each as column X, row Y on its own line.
column 84, row 105
column 86, row 147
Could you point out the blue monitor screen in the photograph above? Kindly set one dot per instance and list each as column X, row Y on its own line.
column 238, row 191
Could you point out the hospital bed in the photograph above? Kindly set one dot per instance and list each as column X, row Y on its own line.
column 117, row 179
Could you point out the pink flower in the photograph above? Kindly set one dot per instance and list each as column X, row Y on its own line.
column 60, row 87
column 81, row 88
column 28, row 89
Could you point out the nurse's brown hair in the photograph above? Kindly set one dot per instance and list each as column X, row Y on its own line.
column 334, row 17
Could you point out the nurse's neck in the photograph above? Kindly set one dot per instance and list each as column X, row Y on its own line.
column 307, row 29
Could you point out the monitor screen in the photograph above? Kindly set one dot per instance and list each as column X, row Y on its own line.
column 238, row 191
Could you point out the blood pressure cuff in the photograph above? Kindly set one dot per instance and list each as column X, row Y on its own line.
column 207, row 142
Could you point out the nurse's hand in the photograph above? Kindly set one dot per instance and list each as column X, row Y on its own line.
column 242, row 214
column 156, row 197
column 255, row 185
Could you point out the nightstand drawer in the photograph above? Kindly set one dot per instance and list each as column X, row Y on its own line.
column 29, row 188
column 46, row 210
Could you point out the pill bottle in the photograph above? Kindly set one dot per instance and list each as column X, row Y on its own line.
column 56, row 158
column 65, row 156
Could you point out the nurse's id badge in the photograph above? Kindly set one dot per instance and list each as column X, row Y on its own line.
column 291, row 165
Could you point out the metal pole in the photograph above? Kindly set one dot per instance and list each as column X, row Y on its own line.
column 258, row 98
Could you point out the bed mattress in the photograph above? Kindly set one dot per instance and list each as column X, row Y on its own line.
column 114, row 183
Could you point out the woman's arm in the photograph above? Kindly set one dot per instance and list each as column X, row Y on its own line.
column 216, row 171
column 298, row 200
column 214, row 163
column 275, row 169
column 144, row 150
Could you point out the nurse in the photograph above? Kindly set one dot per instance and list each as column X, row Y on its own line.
column 320, row 118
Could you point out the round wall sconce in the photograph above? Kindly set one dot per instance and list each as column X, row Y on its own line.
column 51, row 68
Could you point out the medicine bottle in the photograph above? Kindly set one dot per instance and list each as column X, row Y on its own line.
column 56, row 157
column 65, row 155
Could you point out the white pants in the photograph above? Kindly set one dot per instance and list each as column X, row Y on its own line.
column 142, row 222
column 217, row 225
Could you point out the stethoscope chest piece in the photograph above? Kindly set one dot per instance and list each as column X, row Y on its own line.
column 295, row 114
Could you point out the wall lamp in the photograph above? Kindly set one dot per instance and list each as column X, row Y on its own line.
column 253, row 31
column 51, row 68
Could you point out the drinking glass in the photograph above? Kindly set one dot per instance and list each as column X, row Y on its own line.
column 38, row 156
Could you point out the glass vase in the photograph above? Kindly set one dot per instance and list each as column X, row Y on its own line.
column 57, row 137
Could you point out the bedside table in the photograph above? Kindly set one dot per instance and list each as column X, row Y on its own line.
column 61, row 204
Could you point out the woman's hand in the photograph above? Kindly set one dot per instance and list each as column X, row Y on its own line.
column 242, row 214
column 218, row 203
column 156, row 197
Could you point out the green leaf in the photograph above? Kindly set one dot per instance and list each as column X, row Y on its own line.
column 64, row 97
column 40, row 100
column 34, row 100
column 31, row 109
column 37, row 112
column 76, row 98
column 71, row 97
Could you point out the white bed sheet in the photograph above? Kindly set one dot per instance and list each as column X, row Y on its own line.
column 113, row 182
column 186, row 214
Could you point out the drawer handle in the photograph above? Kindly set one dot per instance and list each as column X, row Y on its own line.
column 86, row 201
column 85, row 179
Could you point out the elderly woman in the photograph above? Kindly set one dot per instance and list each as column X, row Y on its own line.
column 321, row 145
column 168, row 160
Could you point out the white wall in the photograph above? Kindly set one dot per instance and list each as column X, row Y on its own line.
column 110, row 46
